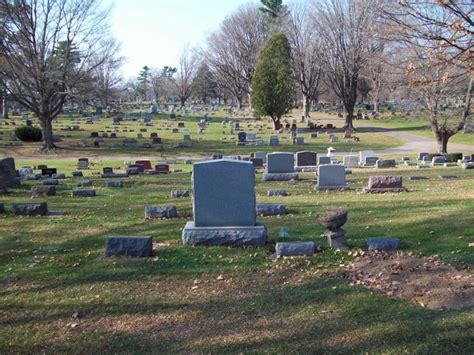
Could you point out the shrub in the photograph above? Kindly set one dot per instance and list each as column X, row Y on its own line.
column 456, row 156
column 28, row 134
column 432, row 155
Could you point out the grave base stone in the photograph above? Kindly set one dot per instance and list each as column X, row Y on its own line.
column 179, row 193
column 129, row 246
column 383, row 244
column 383, row 184
column 279, row 176
column 271, row 209
column 30, row 209
column 42, row 191
column 231, row 236
column 83, row 193
column 295, row 249
column 152, row 212
column 114, row 184
column 277, row 193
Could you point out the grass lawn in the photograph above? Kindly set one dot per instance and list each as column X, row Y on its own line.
column 222, row 299
column 56, row 296
column 215, row 138
column 421, row 128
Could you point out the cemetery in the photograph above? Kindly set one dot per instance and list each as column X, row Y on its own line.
column 159, row 223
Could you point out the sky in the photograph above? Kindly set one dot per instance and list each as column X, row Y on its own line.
column 154, row 32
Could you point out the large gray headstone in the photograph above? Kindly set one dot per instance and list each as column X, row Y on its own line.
column 280, row 163
column 8, row 172
column 306, row 158
column 331, row 176
column 224, row 193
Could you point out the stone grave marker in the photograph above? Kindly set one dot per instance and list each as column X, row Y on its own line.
column 224, row 205
column 331, row 176
column 280, row 167
column 382, row 184
column 306, row 158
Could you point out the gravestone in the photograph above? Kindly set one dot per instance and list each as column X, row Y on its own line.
column 271, row 209
column 351, row 161
column 365, row 154
column 50, row 182
column 439, row 160
column 257, row 163
column 273, row 140
column 331, row 176
column 42, row 191
column 290, row 249
column 306, row 158
column 299, row 140
column 8, row 176
column 162, row 168
column 260, row 155
column 383, row 244
column 129, row 246
column 146, row 164
column 48, row 171
column 30, row 209
column 158, row 211
column 114, row 184
column 83, row 163
column 25, row 171
column 322, row 160
column 179, row 193
column 277, row 192
column 370, row 161
column 224, row 205
column 382, row 184
column 83, row 193
column 242, row 138
column 385, row 163
column 280, row 167
column 107, row 170
column 251, row 137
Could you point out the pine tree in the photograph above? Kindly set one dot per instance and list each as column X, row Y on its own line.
column 273, row 83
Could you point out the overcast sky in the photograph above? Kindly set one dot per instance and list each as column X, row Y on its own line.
column 153, row 32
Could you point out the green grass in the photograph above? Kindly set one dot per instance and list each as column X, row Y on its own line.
column 222, row 299
column 219, row 299
column 215, row 138
column 421, row 128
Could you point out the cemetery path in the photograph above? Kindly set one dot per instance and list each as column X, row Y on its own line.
column 415, row 143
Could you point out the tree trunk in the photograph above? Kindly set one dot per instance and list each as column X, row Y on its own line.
column 250, row 100
column 4, row 108
column 306, row 106
column 376, row 105
column 276, row 124
column 442, row 138
column 239, row 103
column 47, row 131
column 349, row 119
column 183, row 101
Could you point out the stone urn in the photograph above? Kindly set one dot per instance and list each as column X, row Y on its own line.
column 333, row 220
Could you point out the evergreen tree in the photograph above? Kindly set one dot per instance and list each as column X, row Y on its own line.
column 204, row 84
column 144, row 82
column 272, row 83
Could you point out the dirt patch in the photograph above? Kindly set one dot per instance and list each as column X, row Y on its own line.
column 424, row 281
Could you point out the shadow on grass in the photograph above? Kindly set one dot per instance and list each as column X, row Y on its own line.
column 261, row 314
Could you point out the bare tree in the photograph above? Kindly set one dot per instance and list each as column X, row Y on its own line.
column 438, row 36
column 185, row 74
column 343, row 26
column 306, row 53
column 107, row 77
column 232, row 51
column 49, row 47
